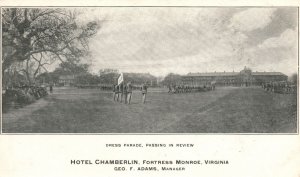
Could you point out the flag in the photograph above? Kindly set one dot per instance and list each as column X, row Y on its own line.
column 120, row 79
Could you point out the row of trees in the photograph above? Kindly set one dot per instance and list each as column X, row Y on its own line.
column 172, row 79
column 84, row 77
column 35, row 37
column 80, row 72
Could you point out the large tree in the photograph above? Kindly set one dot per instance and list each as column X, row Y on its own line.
column 43, row 35
column 172, row 79
column 294, row 78
column 108, row 76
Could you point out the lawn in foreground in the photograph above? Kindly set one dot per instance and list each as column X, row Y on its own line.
column 226, row 110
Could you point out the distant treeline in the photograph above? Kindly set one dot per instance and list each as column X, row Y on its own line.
column 93, row 80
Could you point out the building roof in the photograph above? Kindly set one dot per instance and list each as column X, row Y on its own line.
column 214, row 74
column 143, row 75
column 211, row 74
column 67, row 77
column 267, row 74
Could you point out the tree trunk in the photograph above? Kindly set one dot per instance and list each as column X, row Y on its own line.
column 27, row 72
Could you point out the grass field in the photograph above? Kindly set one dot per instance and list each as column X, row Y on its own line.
column 225, row 110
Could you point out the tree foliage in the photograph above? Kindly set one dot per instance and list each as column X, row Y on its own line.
column 109, row 78
column 65, row 68
column 72, row 68
column 294, row 78
column 140, row 78
column 87, row 79
column 44, row 35
column 172, row 79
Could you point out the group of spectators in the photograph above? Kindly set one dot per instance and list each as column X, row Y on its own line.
column 123, row 92
column 280, row 87
column 189, row 89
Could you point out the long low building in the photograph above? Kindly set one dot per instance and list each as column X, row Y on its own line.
column 243, row 78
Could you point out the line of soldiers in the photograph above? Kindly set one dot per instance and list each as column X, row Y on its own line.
column 123, row 91
column 107, row 87
column 189, row 89
column 280, row 87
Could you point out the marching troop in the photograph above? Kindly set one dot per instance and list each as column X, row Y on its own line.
column 189, row 89
column 280, row 87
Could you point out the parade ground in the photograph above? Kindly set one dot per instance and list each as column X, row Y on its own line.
column 225, row 110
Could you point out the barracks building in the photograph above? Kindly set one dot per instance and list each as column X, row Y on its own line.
column 243, row 78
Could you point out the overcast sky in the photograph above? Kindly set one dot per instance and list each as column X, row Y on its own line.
column 160, row 40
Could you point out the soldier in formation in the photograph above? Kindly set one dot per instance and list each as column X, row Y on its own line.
column 51, row 88
column 189, row 89
column 123, row 92
column 117, row 92
column 129, row 92
column 144, row 92
column 114, row 91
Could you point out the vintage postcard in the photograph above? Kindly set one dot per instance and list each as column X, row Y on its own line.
column 150, row 89
column 149, row 70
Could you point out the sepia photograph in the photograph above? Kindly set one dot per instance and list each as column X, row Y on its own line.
column 149, row 70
